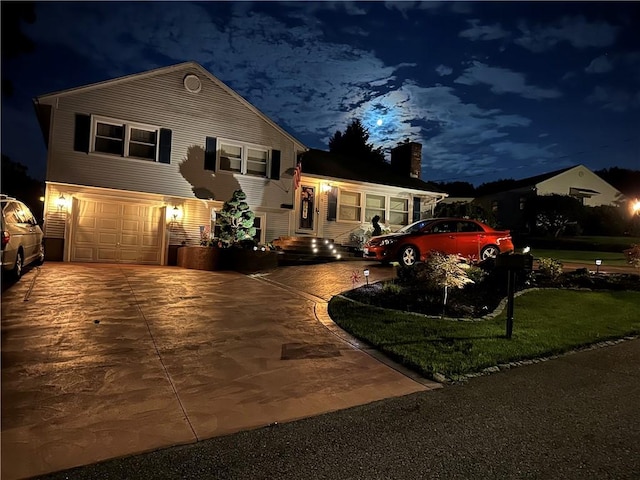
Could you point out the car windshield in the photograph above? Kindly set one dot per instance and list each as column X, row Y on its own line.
column 416, row 226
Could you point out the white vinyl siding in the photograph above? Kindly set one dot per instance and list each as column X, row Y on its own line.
column 116, row 137
column 160, row 99
column 349, row 206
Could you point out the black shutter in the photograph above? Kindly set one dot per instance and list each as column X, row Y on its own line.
column 416, row 208
column 82, row 133
column 165, row 146
column 332, row 206
column 210, row 150
column 275, row 165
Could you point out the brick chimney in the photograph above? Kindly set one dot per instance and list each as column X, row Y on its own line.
column 406, row 159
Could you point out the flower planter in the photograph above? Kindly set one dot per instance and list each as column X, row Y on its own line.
column 201, row 258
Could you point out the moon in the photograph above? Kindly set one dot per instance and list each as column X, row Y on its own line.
column 379, row 122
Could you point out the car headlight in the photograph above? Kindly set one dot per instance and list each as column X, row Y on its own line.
column 388, row 241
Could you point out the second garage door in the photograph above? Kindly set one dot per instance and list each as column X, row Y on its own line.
column 116, row 232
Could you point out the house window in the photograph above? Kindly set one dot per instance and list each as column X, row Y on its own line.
column 375, row 205
column 398, row 211
column 231, row 158
column 257, row 162
column 259, row 222
column 523, row 202
column 125, row 139
column 349, row 206
column 244, row 159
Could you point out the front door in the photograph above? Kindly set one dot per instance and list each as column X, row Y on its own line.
column 307, row 208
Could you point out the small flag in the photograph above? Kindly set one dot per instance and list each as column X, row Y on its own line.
column 297, row 174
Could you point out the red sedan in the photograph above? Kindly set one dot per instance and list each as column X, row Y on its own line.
column 469, row 238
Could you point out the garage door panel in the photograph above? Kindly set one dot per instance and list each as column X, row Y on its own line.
column 106, row 254
column 117, row 232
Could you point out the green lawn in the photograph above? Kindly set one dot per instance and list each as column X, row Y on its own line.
column 546, row 322
column 608, row 258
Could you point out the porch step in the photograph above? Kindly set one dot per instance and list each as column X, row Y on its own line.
column 311, row 250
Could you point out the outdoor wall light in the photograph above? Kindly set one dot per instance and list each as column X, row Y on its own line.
column 325, row 187
column 61, row 202
column 174, row 214
column 526, row 249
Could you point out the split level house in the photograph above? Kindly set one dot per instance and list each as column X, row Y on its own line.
column 139, row 165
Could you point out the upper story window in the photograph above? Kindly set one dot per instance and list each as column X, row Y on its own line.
column 244, row 159
column 115, row 137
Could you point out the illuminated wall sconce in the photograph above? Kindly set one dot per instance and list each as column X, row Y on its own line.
column 61, row 203
column 174, row 214
column 325, row 187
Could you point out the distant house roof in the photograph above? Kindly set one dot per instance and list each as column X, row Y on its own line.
column 524, row 182
column 326, row 164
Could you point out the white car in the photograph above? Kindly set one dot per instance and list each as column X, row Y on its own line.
column 22, row 237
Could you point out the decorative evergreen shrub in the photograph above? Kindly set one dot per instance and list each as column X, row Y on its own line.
column 236, row 222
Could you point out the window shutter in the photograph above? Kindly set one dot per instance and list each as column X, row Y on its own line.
column 82, row 133
column 332, row 205
column 165, row 146
column 210, row 151
column 275, row 165
column 416, row 208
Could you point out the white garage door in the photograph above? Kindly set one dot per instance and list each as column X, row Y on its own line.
column 116, row 232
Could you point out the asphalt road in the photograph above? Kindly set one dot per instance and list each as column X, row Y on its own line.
column 573, row 417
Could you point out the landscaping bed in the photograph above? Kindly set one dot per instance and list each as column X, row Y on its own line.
column 483, row 296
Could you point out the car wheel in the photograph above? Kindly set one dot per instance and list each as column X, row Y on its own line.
column 40, row 260
column 490, row 251
column 409, row 256
column 17, row 268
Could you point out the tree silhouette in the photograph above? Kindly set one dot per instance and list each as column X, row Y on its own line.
column 353, row 143
column 14, row 41
column 17, row 183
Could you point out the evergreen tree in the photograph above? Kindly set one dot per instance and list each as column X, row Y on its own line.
column 353, row 143
column 236, row 220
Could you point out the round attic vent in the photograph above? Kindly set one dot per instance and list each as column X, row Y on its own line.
column 192, row 83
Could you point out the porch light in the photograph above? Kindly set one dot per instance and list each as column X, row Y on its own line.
column 174, row 214
column 61, row 202
column 526, row 249
column 325, row 187
column 635, row 207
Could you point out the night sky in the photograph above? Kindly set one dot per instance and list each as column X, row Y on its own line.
column 491, row 89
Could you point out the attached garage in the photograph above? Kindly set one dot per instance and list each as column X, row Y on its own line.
column 116, row 232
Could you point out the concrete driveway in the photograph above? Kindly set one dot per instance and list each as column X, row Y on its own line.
column 100, row 361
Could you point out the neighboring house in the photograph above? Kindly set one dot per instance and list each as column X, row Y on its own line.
column 511, row 206
column 139, row 165
column 136, row 165
column 339, row 196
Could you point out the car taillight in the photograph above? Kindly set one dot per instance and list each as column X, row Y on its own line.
column 5, row 238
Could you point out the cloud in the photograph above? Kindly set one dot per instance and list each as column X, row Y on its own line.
column 575, row 30
column 599, row 64
column 443, row 70
column 483, row 32
column 615, row 100
column 286, row 68
column 502, row 80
